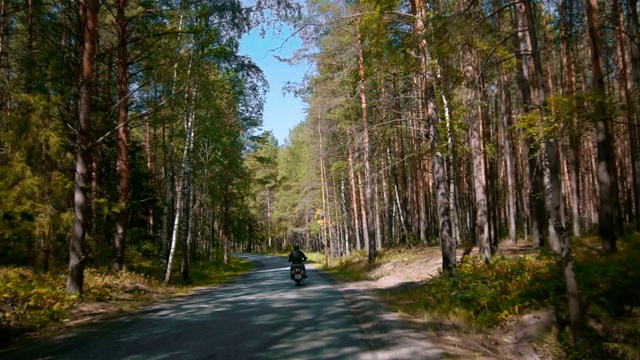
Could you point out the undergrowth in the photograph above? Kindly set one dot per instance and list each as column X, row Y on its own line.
column 483, row 296
column 212, row 273
column 31, row 301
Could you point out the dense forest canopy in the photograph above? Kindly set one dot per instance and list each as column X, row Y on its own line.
column 131, row 127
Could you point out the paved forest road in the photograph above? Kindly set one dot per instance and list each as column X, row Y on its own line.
column 261, row 315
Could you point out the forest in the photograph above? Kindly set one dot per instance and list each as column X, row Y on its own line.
column 132, row 134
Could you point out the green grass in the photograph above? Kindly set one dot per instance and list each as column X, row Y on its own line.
column 214, row 273
column 315, row 257
column 352, row 268
column 483, row 296
column 32, row 301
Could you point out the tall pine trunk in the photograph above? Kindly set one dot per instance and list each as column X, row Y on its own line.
column 551, row 170
column 354, row 197
column 633, row 85
column 535, row 200
column 508, row 157
column 573, row 155
column 447, row 242
column 123, row 137
column 606, row 173
column 323, row 182
column 368, row 179
column 88, row 12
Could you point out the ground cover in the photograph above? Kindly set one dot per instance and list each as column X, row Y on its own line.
column 34, row 303
column 513, row 307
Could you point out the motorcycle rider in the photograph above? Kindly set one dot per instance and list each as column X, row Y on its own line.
column 296, row 258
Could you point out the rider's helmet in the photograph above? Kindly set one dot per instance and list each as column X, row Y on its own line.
column 296, row 247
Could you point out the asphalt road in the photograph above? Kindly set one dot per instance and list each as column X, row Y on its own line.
column 261, row 315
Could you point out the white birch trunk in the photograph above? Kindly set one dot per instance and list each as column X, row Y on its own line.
column 182, row 180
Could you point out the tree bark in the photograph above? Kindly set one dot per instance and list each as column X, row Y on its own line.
column 535, row 200
column 607, row 213
column 573, row 155
column 447, row 242
column 88, row 11
column 123, row 137
column 397, row 168
column 366, row 150
column 354, row 199
column 508, row 156
column 479, row 177
column 182, row 177
column 345, row 215
column 633, row 85
column 455, row 227
column 551, row 169
column 363, row 212
column 169, row 179
column 2, row 24
column 324, row 200
column 188, row 190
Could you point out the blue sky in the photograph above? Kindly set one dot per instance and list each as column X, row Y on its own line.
column 281, row 112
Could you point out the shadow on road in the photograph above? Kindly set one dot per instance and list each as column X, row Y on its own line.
column 261, row 315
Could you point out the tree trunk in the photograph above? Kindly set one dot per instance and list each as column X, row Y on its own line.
column 551, row 168
column 508, row 157
column 2, row 14
column 368, row 180
column 450, row 165
column 123, row 137
column 182, row 178
column 607, row 213
column 573, row 155
column 397, row 167
column 345, row 215
column 188, row 191
column 354, row 199
column 535, row 200
column 324, row 200
column 377, row 223
column 77, row 257
column 633, row 85
column 447, row 242
column 479, row 177
column 363, row 212
column 388, row 199
column 169, row 179
column 624, row 90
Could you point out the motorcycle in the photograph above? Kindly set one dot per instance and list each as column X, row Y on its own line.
column 298, row 273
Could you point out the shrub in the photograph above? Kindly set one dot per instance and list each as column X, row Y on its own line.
column 31, row 300
column 486, row 294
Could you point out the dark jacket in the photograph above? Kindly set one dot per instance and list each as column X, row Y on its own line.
column 297, row 257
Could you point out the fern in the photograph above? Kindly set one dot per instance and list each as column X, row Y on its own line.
column 624, row 351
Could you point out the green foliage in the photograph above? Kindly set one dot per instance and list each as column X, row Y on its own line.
column 485, row 295
column 352, row 268
column 215, row 272
column 30, row 300
column 627, row 345
column 315, row 257
column 610, row 283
